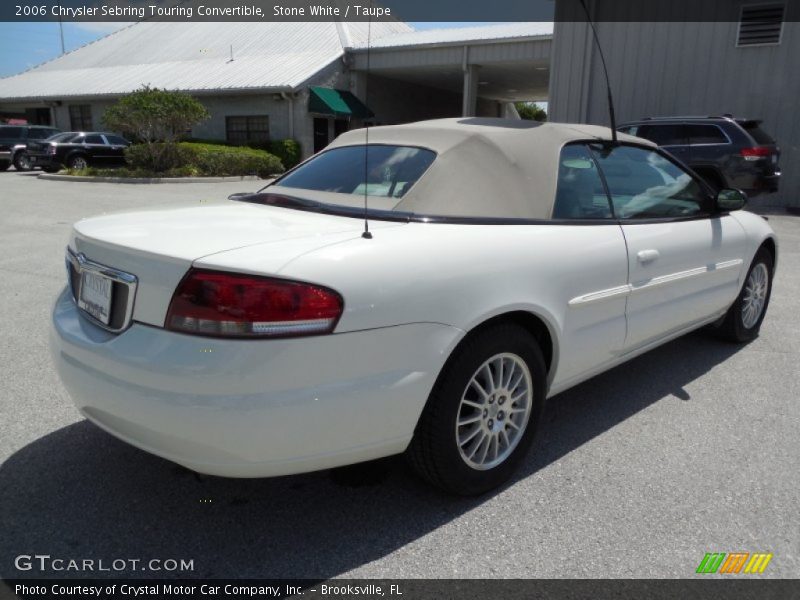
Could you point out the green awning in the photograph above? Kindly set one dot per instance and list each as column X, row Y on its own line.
column 337, row 103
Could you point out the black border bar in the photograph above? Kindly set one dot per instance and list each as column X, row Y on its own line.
column 701, row 588
column 382, row 10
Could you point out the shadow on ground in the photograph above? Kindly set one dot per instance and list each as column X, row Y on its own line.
column 78, row 492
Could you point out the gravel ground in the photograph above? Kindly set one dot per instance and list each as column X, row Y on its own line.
column 689, row 449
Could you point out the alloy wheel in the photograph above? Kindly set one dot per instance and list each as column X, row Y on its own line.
column 494, row 411
column 755, row 295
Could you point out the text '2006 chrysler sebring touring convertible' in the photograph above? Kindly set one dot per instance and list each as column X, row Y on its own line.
column 507, row 261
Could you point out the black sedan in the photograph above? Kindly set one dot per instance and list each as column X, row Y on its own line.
column 78, row 150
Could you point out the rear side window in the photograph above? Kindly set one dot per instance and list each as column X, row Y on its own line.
column 390, row 170
column 706, row 134
column 580, row 193
column 94, row 139
column 663, row 135
column 11, row 132
column 62, row 137
column 759, row 135
column 115, row 139
column 645, row 185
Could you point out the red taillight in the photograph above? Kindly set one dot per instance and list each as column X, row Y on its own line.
column 756, row 152
column 220, row 304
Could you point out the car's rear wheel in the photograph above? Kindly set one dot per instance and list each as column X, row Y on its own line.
column 22, row 161
column 78, row 162
column 483, row 412
column 743, row 319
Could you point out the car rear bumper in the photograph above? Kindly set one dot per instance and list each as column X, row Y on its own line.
column 247, row 408
column 772, row 182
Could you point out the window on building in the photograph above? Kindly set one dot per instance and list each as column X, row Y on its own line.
column 761, row 24
column 80, row 117
column 246, row 130
column 645, row 185
column 706, row 134
column 580, row 193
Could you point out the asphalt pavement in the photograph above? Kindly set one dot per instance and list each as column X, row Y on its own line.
column 691, row 448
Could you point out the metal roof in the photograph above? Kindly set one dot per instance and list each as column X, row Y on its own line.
column 485, row 33
column 194, row 57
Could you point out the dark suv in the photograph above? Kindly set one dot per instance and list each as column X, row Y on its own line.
column 78, row 150
column 725, row 151
column 14, row 140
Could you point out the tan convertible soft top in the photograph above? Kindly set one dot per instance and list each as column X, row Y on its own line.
column 485, row 167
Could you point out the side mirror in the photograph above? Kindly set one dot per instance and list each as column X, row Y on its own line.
column 728, row 200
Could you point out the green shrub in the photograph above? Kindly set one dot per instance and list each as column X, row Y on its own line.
column 228, row 160
column 159, row 157
column 193, row 159
column 288, row 151
column 153, row 115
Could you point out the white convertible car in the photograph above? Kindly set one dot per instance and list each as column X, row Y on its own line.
column 508, row 260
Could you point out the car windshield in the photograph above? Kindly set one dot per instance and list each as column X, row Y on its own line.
column 377, row 170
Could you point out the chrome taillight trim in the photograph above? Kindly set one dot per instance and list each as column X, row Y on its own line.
column 80, row 263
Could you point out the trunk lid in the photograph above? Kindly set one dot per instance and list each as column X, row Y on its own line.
column 159, row 246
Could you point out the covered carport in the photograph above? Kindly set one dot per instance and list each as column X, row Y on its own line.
column 472, row 71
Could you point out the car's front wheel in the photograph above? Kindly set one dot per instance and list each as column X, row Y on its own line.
column 483, row 412
column 743, row 319
column 22, row 161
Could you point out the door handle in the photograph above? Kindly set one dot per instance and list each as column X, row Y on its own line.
column 646, row 256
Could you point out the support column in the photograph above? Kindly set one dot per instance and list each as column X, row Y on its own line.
column 469, row 103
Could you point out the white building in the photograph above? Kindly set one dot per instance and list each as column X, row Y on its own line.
column 305, row 81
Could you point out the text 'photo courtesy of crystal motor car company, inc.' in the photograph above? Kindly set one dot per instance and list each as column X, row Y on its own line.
column 266, row 335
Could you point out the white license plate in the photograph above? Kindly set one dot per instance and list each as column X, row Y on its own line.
column 95, row 296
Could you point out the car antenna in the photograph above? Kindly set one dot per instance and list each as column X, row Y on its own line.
column 605, row 70
column 367, row 234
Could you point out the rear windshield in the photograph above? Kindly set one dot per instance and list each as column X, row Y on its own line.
column 758, row 134
column 382, row 170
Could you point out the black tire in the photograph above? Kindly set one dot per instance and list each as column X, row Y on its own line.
column 74, row 160
column 733, row 327
column 22, row 162
column 434, row 451
column 4, row 165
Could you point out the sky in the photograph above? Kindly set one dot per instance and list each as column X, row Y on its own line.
column 25, row 45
